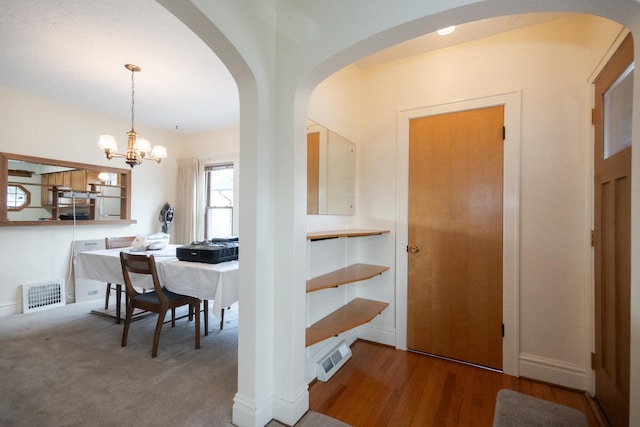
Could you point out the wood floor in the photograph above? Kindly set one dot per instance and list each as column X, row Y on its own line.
column 382, row 386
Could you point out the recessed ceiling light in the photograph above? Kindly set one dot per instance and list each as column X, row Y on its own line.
column 446, row 31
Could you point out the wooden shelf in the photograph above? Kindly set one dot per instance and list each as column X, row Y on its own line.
column 322, row 235
column 353, row 273
column 358, row 312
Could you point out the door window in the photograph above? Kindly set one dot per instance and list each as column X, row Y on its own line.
column 618, row 103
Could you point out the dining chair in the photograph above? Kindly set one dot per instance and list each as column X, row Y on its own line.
column 112, row 243
column 160, row 300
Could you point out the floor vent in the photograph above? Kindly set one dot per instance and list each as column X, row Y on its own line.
column 329, row 364
column 42, row 295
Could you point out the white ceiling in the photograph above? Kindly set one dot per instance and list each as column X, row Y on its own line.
column 74, row 51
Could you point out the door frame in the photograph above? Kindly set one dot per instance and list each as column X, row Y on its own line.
column 512, row 102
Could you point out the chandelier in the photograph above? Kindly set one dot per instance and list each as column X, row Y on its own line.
column 138, row 149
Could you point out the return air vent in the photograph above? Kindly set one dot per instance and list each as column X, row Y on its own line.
column 329, row 364
column 42, row 295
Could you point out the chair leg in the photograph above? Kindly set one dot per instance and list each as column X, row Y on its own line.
column 156, row 335
column 173, row 317
column 205, row 303
column 118, row 302
column 106, row 296
column 222, row 319
column 196, row 312
column 127, row 322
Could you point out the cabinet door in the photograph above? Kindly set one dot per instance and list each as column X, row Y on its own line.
column 92, row 178
column 47, row 181
column 79, row 180
column 66, row 179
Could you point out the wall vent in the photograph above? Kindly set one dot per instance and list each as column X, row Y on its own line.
column 42, row 295
column 332, row 361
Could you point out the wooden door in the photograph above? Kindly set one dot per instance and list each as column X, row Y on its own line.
column 455, row 236
column 612, row 234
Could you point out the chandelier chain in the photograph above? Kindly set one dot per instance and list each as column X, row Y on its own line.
column 133, row 102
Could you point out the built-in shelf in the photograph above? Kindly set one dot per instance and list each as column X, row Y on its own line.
column 321, row 235
column 358, row 312
column 350, row 274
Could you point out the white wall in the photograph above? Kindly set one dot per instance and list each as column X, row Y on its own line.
column 220, row 142
column 42, row 128
column 550, row 64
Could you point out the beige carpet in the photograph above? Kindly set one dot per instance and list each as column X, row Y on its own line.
column 515, row 409
column 65, row 367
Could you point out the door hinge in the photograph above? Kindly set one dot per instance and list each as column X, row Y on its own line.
column 593, row 361
column 503, row 330
column 504, row 133
column 594, row 116
column 593, row 238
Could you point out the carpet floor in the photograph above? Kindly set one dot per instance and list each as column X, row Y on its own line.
column 65, row 367
column 515, row 409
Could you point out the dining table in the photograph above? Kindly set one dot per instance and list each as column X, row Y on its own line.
column 217, row 282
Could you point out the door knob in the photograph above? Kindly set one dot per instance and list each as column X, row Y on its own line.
column 414, row 249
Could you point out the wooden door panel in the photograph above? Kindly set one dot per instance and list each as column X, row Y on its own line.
column 612, row 255
column 455, row 219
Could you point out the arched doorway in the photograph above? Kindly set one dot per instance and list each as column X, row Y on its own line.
column 302, row 63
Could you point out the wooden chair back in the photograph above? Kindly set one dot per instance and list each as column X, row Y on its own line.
column 140, row 264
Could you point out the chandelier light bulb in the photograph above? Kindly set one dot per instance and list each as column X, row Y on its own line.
column 107, row 142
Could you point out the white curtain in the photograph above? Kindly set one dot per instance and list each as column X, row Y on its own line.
column 186, row 213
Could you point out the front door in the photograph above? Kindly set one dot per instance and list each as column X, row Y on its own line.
column 612, row 233
column 455, row 236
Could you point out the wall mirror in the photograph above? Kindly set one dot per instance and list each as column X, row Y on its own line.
column 331, row 172
column 39, row 191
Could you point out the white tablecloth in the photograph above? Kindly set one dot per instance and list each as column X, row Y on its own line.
column 217, row 282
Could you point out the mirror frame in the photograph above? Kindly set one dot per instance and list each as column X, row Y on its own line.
column 125, row 204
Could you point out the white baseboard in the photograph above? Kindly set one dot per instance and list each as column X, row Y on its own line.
column 374, row 333
column 554, row 371
column 9, row 309
column 288, row 409
column 248, row 413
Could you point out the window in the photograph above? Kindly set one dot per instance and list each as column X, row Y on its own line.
column 618, row 103
column 218, row 219
column 18, row 197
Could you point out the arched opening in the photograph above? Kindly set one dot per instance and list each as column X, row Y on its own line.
column 554, row 147
column 286, row 126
